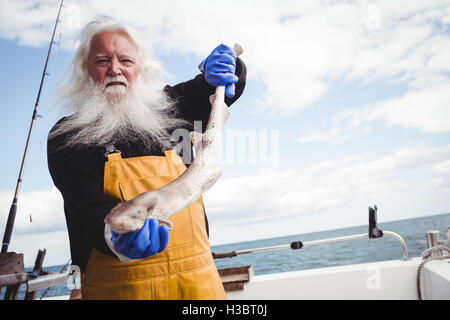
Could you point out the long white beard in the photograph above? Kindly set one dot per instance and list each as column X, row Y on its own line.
column 120, row 113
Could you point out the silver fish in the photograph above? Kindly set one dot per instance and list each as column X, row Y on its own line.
column 129, row 216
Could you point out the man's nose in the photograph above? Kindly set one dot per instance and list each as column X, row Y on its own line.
column 114, row 69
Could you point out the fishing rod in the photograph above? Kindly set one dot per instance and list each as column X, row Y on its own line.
column 13, row 209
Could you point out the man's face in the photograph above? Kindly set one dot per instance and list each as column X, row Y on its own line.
column 112, row 54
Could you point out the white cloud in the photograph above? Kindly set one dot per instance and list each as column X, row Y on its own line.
column 319, row 187
column 443, row 167
column 293, row 47
column 442, row 181
column 26, row 21
column 333, row 135
column 426, row 109
column 437, row 183
column 45, row 207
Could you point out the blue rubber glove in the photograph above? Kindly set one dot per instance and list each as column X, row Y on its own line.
column 219, row 68
column 143, row 243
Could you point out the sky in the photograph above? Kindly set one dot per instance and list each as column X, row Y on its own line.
column 346, row 106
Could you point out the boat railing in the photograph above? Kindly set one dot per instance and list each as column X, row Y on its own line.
column 12, row 275
column 299, row 244
column 374, row 232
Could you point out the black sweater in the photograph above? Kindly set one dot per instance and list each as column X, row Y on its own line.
column 79, row 173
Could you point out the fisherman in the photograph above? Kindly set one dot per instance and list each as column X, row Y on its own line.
column 115, row 144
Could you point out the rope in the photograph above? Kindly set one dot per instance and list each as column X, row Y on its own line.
column 426, row 255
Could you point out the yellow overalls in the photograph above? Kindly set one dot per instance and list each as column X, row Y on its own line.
column 185, row 270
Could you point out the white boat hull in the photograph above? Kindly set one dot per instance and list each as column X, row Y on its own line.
column 388, row 280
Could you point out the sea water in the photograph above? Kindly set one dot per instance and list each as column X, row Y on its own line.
column 326, row 255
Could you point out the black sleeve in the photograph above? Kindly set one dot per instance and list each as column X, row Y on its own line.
column 78, row 174
column 192, row 96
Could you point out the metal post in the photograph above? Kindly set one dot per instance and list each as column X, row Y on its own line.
column 37, row 270
column 448, row 237
column 433, row 241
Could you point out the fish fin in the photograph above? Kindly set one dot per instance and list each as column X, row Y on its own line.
column 212, row 98
column 168, row 223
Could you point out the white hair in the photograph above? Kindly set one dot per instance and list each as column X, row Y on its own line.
column 145, row 113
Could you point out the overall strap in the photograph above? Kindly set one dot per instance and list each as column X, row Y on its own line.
column 112, row 153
